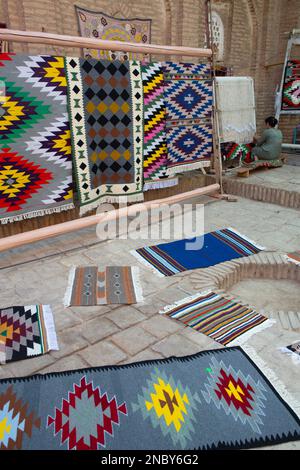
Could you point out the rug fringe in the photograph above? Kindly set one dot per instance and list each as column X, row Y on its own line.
column 50, row 328
column 246, row 336
column 272, row 377
column 145, row 263
column 68, row 293
column 37, row 213
column 180, row 302
column 188, row 167
column 247, row 238
column 160, row 184
column 291, row 260
column 135, row 272
column 106, row 199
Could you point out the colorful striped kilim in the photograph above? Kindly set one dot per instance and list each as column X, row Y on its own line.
column 225, row 321
column 231, row 151
column 206, row 250
column 188, row 93
column 291, row 86
column 115, row 285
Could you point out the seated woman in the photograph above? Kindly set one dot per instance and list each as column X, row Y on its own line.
column 268, row 146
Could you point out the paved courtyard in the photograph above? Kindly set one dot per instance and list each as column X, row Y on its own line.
column 106, row 335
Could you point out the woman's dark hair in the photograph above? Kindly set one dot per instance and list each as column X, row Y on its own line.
column 272, row 121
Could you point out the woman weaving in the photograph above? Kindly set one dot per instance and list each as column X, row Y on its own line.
column 268, row 146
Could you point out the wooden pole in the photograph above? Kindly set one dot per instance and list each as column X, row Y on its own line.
column 78, row 224
column 36, row 37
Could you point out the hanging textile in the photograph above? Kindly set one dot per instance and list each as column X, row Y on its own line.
column 291, row 86
column 236, row 109
column 98, row 25
column 155, row 143
column 106, row 114
column 35, row 147
column 235, row 153
column 188, row 93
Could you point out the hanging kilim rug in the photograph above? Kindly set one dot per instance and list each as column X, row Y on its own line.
column 206, row 250
column 235, row 153
column 225, row 321
column 291, row 86
column 188, row 94
column 106, row 113
column 294, row 257
column 25, row 332
column 292, row 350
column 155, row 142
column 98, row 25
column 116, row 285
column 35, row 145
column 220, row 399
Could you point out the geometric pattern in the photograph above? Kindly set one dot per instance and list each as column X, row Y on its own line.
column 15, row 420
column 106, row 108
column 188, row 95
column 155, row 146
column 238, row 152
column 87, row 417
column 98, row 25
column 291, row 86
column 35, row 146
column 170, row 406
column 238, row 395
column 24, row 332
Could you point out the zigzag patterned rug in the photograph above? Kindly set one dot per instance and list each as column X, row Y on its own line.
column 188, row 94
column 291, row 86
column 106, row 114
column 220, row 399
column 35, row 145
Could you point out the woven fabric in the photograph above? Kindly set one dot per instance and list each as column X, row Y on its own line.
column 291, row 86
column 115, row 285
column 292, row 350
column 231, row 151
column 188, row 94
column 35, row 146
column 25, row 331
column 225, row 321
column 106, row 113
column 98, row 25
column 206, row 250
column 218, row 399
column 236, row 109
column 294, row 257
column 263, row 163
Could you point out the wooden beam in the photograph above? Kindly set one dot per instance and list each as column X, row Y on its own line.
column 32, row 236
column 36, row 37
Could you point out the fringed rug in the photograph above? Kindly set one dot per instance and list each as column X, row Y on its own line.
column 35, row 144
column 116, row 285
column 188, row 93
column 294, row 257
column 291, row 86
column 155, row 143
column 292, row 350
column 25, row 332
column 225, row 321
column 206, row 250
column 98, row 25
column 220, row 399
column 106, row 113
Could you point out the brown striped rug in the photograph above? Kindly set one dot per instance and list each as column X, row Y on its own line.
column 294, row 257
column 116, row 285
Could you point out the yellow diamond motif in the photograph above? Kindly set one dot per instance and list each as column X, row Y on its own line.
column 102, row 107
column 4, row 428
column 12, row 180
column 90, row 107
column 114, row 107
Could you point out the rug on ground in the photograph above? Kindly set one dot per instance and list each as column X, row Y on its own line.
column 294, row 257
column 26, row 331
column 206, row 250
column 224, row 398
column 224, row 320
column 88, row 285
column 155, row 143
column 291, row 86
column 188, row 94
column 106, row 115
column 292, row 350
column 35, row 145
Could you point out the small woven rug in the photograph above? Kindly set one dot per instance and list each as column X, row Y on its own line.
column 106, row 115
column 291, row 86
column 188, row 94
column 217, row 399
column 292, row 350
column 116, row 285
column 206, row 250
column 26, row 331
column 294, row 257
column 225, row 321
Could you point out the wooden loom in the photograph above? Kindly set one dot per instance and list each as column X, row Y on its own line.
column 31, row 37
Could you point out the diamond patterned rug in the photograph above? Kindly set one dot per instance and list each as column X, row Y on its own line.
column 219, row 399
column 291, row 86
column 35, row 145
column 106, row 113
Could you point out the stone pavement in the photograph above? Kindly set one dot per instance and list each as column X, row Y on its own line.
column 104, row 335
